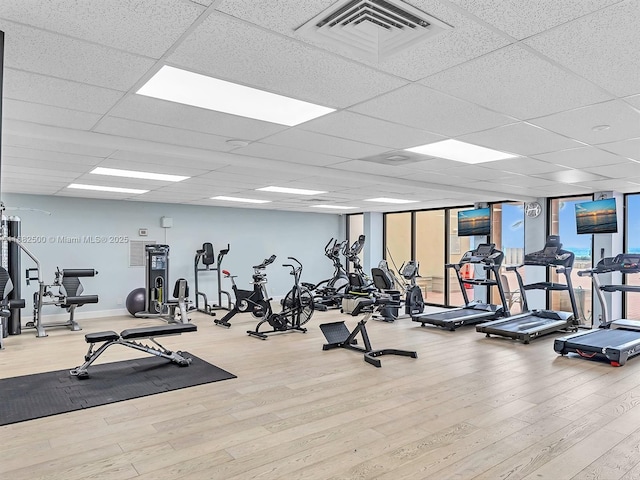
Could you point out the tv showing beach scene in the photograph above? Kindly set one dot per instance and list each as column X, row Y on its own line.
column 599, row 216
column 474, row 222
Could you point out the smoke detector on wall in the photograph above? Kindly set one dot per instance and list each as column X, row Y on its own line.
column 373, row 29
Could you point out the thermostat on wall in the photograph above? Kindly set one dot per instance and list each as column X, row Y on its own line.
column 143, row 232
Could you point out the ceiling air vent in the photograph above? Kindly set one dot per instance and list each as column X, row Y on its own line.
column 375, row 29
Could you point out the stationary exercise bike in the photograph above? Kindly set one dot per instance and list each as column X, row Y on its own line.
column 256, row 301
column 297, row 308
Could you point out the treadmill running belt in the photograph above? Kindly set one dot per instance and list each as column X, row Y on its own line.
column 451, row 315
column 604, row 338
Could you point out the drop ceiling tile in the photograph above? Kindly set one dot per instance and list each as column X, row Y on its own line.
column 175, row 168
column 158, row 133
column 45, row 164
column 372, row 168
column 221, row 178
column 260, row 175
column 626, row 148
column 146, row 27
column 466, row 40
column 520, row 138
column 523, row 19
column 44, row 156
column 561, row 189
column 436, row 164
column 325, row 144
column 633, row 101
column 31, row 87
column 525, row 181
column 582, row 157
column 622, row 171
column 616, row 185
column 365, row 129
column 53, row 145
column 58, row 174
column 109, row 181
column 47, row 115
column 252, row 56
column 171, row 114
column 46, row 53
column 426, row 109
column 130, row 159
column 516, row 82
column 523, row 166
column 10, row 187
column 573, row 176
column 287, row 154
column 601, row 47
column 623, row 120
column 71, row 192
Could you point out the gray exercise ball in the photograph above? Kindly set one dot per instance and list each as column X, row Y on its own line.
column 136, row 301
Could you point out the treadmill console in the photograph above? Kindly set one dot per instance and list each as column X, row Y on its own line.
column 483, row 253
column 624, row 262
column 551, row 255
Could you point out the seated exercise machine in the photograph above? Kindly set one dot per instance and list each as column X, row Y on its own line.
column 487, row 256
column 69, row 297
column 532, row 324
column 6, row 304
column 618, row 340
column 339, row 336
column 203, row 262
column 256, row 301
column 127, row 338
column 384, row 282
column 297, row 308
column 413, row 298
column 328, row 293
column 157, row 303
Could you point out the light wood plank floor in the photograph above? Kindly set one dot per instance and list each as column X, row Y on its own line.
column 469, row 407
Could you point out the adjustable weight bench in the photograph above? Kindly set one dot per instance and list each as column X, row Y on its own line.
column 127, row 338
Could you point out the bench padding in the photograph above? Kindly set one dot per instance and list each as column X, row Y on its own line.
column 146, row 332
column 101, row 337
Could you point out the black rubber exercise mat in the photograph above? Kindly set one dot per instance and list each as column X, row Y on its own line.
column 43, row 394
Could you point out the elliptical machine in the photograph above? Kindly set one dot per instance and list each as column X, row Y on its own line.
column 358, row 280
column 256, row 301
column 328, row 293
column 206, row 256
column 413, row 299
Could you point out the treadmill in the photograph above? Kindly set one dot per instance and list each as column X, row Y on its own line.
column 615, row 341
column 473, row 312
column 532, row 324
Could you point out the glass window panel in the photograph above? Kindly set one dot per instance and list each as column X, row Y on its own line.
column 563, row 223
column 397, row 238
column 507, row 232
column 632, row 242
column 430, row 253
column 457, row 247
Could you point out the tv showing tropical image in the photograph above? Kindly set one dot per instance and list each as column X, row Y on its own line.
column 599, row 216
column 474, row 222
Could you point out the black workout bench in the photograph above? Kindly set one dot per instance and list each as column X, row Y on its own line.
column 128, row 337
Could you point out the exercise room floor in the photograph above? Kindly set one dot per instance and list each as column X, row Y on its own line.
column 468, row 408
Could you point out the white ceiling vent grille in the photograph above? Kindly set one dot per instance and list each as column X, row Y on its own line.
column 375, row 29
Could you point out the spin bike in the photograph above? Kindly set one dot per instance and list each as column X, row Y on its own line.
column 297, row 308
column 256, row 301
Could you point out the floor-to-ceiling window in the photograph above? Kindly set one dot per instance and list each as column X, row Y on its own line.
column 507, row 232
column 457, row 247
column 430, row 253
column 397, row 234
column 632, row 245
column 563, row 223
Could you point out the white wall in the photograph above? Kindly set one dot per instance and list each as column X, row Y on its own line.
column 253, row 235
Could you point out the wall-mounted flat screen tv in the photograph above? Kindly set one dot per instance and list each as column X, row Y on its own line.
column 599, row 216
column 474, row 222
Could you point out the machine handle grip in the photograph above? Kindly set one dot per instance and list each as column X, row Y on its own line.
column 79, row 272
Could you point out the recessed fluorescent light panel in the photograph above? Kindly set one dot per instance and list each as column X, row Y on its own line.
column 114, row 172
column 197, row 90
column 390, row 200
column 460, row 152
column 294, row 191
column 333, row 207
column 241, row 200
column 100, row 188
